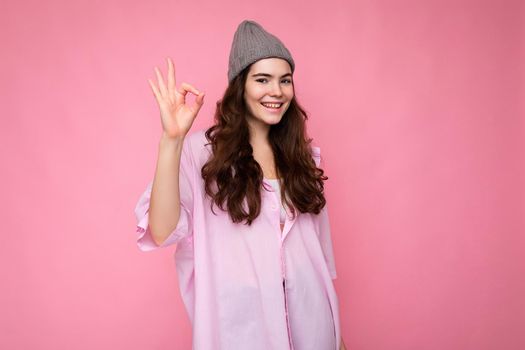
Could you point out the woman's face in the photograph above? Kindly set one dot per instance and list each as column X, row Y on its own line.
column 268, row 90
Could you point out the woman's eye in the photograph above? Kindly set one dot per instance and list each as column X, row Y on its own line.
column 263, row 80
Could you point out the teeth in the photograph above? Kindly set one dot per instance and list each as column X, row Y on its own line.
column 272, row 105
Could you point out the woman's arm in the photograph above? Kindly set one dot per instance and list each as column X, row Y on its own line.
column 164, row 208
column 177, row 118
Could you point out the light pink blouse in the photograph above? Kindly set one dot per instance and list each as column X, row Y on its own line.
column 248, row 287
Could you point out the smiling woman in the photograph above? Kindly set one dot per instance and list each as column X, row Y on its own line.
column 268, row 98
column 256, row 272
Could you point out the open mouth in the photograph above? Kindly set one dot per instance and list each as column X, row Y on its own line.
column 273, row 107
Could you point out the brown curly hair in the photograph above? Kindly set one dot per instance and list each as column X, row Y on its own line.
column 232, row 175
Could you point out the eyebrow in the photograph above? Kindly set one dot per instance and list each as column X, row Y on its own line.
column 269, row 75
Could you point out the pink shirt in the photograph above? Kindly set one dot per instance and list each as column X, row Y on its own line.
column 231, row 275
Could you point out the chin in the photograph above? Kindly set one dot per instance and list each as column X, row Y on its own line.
column 273, row 121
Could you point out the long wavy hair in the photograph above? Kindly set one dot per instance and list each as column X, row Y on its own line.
column 234, row 178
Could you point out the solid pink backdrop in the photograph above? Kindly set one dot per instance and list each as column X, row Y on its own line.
column 417, row 108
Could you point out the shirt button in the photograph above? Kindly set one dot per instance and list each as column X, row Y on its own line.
column 274, row 207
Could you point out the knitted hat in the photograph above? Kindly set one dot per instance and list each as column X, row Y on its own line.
column 252, row 43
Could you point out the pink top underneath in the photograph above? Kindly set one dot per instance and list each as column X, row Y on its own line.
column 231, row 275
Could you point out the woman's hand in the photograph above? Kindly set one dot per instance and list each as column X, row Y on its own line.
column 177, row 117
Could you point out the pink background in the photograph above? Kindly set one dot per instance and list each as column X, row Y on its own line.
column 418, row 107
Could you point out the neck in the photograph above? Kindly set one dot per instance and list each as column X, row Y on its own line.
column 258, row 134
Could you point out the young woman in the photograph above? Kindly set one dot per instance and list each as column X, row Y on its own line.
column 243, row 201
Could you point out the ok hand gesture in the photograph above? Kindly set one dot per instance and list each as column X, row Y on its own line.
column 177, row 116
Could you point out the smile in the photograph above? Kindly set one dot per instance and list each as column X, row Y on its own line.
column 272, row 106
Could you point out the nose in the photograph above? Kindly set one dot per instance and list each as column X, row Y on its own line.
column 276, row 89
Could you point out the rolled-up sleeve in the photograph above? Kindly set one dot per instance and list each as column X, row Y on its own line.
column 184, row 226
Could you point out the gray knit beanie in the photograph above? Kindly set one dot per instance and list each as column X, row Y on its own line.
column 252, row 43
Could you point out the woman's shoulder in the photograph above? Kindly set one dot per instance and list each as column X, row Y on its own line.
column 196, row 137
column 197, row 145
column 316, row 154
